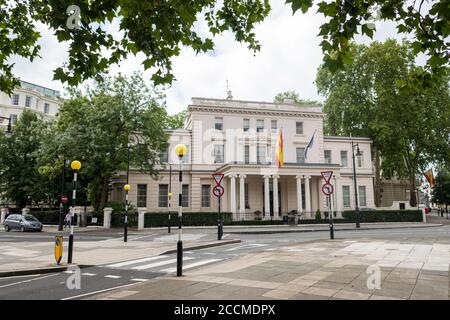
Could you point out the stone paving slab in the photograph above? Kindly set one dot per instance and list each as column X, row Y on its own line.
column 308, row 274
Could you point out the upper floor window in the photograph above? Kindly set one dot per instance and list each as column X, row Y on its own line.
column 46, row 107
column 28, row 101
column 164, row 156
column 327, row 156
column 259, row 125
column 185, row 159
column 299, row 127
column 246, row 125
column 219, row 153
column 274, row 125
column 15, row 99
column 13, row 118
column 219, row 124
column 300, row 155
column 344, row 159
column 141, row 195
column 360, row 159
column 261, row 154
column 247, row 154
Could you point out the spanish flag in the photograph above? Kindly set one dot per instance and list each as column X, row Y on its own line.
column 430, row 178
column 279, row 150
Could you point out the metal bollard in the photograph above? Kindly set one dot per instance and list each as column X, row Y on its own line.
column 331, row 230
column 219, row 230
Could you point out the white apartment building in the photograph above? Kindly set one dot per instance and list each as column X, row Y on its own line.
column 42, row 100
column 238, row 139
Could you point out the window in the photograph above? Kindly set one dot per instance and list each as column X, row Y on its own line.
column 13, row 118
column 300, row 155
column 327, row 156
column 27, row 101
column 163, row 195
column 206, row 195
column 164, row 156
column 219, row 153
column 362, row 196
column 247, row 204
column 259, row 125
column 261, row 154
column 247, row 154
column 15, row 99
column 299, row 127
column 219, row 123
column 346, row 196
column 246, row 125
column 344, row 162
column 46, row 108
column 274, row 125
column 185, row 195
column 141, row 196
column 360, row 159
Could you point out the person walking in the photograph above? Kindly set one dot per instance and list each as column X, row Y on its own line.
column 67, row 220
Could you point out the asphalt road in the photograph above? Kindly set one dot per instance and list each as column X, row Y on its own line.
column 128, row 273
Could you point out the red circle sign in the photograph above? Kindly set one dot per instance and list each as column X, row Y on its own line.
column 218, row 191
column 64, row 199
column 327, row 189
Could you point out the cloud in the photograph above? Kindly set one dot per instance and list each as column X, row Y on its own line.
column 288, row 60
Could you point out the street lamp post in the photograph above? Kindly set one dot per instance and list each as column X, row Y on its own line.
column 358, row 154
column 75, row 165
column 8, row 131
column 181, row 151
column 170, row 194
column 127, row 188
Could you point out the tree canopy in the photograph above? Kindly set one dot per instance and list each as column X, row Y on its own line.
column 441, row 190
column 409, row 126
column 158, row 30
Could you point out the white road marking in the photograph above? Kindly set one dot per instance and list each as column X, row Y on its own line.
column 113, row 276
column 127, row 263
column 247, row 246
column 210, row 253
column 99, row 291
column 139, row 279
column 192, row 265
column 25, row 281
column 88, row 274
column 157, row 264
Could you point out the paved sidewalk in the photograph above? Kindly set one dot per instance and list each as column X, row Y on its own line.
column 316, row 270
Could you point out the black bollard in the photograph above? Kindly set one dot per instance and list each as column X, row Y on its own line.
column 219, row 230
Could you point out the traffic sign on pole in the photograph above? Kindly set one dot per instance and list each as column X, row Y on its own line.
column 64, row 199
column 326, row 176
column 327, row 189
column 218, row 178
column 218, row 191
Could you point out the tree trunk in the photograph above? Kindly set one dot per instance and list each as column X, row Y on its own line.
column 104, row 192
column 412, row 188
column 377, row 184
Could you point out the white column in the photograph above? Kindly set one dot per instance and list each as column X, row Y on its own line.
column 4, row 211
column 242, row 196
column 266, row 197
column 233, row 195
column 299, row 196
column 107, row 217
column 308, row 197
column 141, row 218
column 275, row 195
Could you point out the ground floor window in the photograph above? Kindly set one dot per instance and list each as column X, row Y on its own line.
column 206, row 196
column 362, row 196
column 185, row 196
column 141, row 196
column 346, row 196
column 163, row 196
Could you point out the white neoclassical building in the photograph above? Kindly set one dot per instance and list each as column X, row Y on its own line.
column 238, row 139
column 44, row 101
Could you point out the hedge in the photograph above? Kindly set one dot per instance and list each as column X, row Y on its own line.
column 384, row 216
column 159, row 219
column 51, row 217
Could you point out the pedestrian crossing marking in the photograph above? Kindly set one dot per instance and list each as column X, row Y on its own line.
column 157, row 264
column 127, row 263
column 192, row 265
column 139, row 280
column 88, row 274
column 113, row 276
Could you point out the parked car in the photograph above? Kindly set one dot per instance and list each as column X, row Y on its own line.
column 23, row 223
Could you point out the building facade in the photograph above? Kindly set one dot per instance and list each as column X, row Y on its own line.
column 42, row 100
column 238, row 139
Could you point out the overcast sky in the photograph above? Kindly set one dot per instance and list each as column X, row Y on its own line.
column 288, row 60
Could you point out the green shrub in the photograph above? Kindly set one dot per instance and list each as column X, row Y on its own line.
column 384, row 216
column 161, row 219
column 318, row 215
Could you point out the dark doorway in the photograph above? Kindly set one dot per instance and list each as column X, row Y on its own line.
column 271, row 199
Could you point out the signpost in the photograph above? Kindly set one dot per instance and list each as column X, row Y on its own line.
column 58, row 248
column 218, row 192
column 327, row 190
